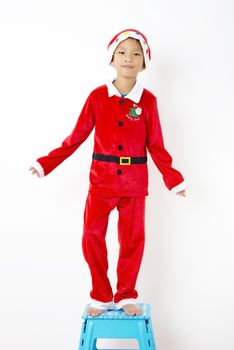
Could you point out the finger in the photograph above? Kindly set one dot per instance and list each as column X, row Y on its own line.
column 180, row 193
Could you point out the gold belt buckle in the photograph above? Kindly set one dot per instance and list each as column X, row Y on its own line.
column 128, row 158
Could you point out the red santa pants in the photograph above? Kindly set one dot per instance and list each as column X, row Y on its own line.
column 131, row 237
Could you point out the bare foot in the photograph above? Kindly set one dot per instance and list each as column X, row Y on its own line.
column 92, row 311
column 131, row 310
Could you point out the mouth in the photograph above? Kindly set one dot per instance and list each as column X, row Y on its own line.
column 128, row 66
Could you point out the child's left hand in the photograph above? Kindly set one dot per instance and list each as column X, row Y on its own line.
column 181, row 193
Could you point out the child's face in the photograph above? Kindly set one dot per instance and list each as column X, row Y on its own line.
column 128, row 52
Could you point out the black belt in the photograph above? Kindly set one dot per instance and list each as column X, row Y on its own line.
column 120, row 160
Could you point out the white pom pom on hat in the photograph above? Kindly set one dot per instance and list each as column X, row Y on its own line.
column 129, row 33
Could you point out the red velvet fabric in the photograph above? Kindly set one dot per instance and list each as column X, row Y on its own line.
column 131, row 237
column 122, row 128
column 118, row 122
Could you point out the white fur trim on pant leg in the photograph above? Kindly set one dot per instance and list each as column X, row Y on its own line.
column 123, row 302
column 100, row 305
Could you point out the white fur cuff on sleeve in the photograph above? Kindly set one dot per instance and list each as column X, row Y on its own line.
column 39, row 168
column 179, row 187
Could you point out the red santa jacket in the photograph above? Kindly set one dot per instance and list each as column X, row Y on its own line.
column 124, row 127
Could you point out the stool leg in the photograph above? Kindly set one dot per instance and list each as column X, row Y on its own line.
column 142, row 339
column 82, row 336
column 145, row 338
column 151, row 335
column 86, row 340
column 94, row 344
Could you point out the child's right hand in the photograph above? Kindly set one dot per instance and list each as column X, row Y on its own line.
column 34, row 171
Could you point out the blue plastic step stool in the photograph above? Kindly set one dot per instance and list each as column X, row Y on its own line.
column 116, row 324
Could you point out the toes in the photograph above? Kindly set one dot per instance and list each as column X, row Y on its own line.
column 132, row 311
column 139, row 312
column 94, row 312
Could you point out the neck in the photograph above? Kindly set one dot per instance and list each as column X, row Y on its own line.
column 124, row 85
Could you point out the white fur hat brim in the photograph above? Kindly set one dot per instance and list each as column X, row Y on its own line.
column 129, row 33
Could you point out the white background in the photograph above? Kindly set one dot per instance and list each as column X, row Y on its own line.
column 53, row 53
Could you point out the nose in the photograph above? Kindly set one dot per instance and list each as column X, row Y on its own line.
column 128, row 57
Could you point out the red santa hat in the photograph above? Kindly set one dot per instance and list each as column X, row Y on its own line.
column 129, row 33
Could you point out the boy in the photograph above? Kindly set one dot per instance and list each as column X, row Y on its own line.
column 126, row 123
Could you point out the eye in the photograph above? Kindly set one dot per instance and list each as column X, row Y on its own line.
column 120, row 52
